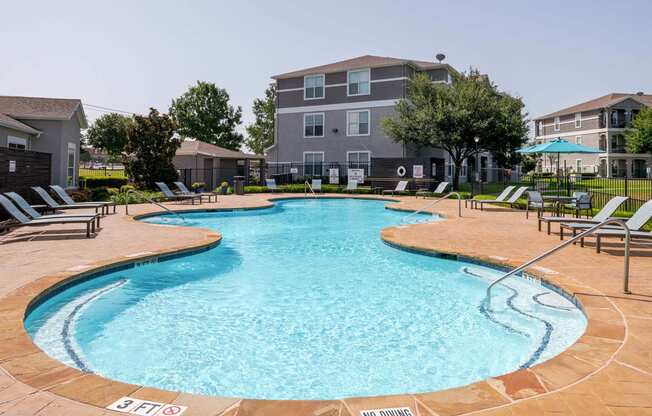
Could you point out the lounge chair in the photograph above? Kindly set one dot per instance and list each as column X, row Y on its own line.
column 401, row 187
column 635, row 224
column 168, row 195
column 69, row 201
column 45, row 196
column 271, row 185
column 605, row 213
column 511, row 201
column 185, row 191
column 501, row 197
column 535, row 200
column 24, row 221
column 440, row 189
column 351, row 186
column 31, row 212
column 316, row 185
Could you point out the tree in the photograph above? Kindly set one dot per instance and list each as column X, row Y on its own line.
column 261, row 132
column 639, row 135
column 151, row 147
column 452, row 116
column 109, row 132
column 203, row 112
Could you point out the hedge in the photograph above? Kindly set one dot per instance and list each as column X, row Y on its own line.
column 92, row 183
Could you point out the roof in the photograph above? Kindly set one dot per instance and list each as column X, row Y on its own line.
column 35, row 108
column 9, row 122
column 601, row 102
column 365, row 61
column 197, row 147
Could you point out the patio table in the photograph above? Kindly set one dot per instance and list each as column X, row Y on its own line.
column 558, row 200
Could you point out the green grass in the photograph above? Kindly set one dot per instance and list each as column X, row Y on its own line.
column 101, row 173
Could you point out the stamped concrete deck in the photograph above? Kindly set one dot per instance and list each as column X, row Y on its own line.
column 607, row 372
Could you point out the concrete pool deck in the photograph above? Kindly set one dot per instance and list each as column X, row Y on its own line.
column 607, row 372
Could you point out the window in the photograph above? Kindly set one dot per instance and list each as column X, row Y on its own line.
column 578, row 120
column 557, row 124
column 16, row 143
column 358, row 82
column 313, row 125
column 359, row 160
column 70, row 176
column 541, row 131
column 313, row 163
column 578, row 165
column 357, row 123
column 614, row 118
column 313, row 87
column 578, row 139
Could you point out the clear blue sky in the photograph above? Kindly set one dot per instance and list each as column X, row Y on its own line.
column 135, row 54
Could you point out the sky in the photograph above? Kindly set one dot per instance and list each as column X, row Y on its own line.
column 132, row 55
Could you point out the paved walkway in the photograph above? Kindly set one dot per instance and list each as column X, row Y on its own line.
column 607, row 372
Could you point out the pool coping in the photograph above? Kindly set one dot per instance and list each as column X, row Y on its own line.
column 593, row 351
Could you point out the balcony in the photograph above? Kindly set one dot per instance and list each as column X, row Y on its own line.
column 618, row 149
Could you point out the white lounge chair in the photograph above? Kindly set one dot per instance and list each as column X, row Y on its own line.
column 185, row 191
column 316, row 185
column 61, row 193
column 605, row 213
column 500, row 198
column 45, row 196
column 351, row 186
column 511, row 201
column 440, row 189
column 271, row 185
column 34, row 214
column 168, row 195
column 401, row 187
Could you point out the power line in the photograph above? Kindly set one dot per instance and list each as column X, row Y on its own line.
column 107, row 109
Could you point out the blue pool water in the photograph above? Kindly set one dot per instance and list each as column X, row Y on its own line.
column 303, row 301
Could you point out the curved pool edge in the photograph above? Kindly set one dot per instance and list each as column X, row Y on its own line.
column 25, row 362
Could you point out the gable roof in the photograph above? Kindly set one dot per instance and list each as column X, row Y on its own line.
column 194, row 147
column 365, row 61
column 601, row 102
column 41, row 108
column 9, row 122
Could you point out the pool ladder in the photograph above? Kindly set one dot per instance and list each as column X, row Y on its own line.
column 151, row 201
column 436, row 201
column 592, row 230
column 306, row 187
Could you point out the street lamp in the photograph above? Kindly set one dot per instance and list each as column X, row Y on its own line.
column 476, row 165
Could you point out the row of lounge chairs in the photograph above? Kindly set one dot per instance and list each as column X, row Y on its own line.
column 352, row 186
column 184, row 193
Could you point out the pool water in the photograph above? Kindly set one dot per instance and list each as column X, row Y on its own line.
column 303, row 301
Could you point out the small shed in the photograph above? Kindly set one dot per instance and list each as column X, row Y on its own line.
column 199, row 161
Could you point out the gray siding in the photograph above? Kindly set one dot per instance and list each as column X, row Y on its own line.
column 334, row 95
column 5, row 132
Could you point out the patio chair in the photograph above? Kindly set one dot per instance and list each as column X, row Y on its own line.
column 24, row 221
column 316, row 185
column 500, row 198
column 168, row 195
column 635, row 224
column 513, row 200
column 271, row 185
column 535, row 200
column 440, row 189
column 61, row 193
column 351, row 186
column 583, row 202
column 45, row 196
column 605, row 213
column 34, row 214
column 401, row 187
column 185, row 191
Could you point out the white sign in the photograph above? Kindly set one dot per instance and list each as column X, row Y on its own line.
column 334, row 176
column 390, row 411
column 140, row 407
column 294, row 170
column 356, row 174
column 417, row 171
column 12, row 166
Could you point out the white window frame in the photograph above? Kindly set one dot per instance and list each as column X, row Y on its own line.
column 18, row 141
column 578, row 139
column 323, row 129
column 72, row 148
column 323, row 86
column 367, row 168
column 541, row 129
column 557, row 124
column 348, row 83
column 323, row 160
column 578, row 120
column 578, row 165
column 348, row 133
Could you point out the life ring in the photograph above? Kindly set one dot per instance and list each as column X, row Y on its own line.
column 401, row 171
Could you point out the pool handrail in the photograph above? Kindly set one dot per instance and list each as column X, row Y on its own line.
column 610, row 221
column 151, row 201
column 307, row 186
column 431, row 203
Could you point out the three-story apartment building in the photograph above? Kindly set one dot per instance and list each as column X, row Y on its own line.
column 599, row 123
column 333, row 113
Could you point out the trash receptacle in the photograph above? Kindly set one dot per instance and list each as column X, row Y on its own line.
column 238, row 184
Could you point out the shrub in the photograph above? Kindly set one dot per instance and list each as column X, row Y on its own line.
column 80, row 195
column 198, row 185
column 92, row 183
column 125, row 188
column 100, row 194
column 135, row 198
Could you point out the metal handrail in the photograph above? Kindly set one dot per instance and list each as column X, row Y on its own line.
column 151, row 201
column 584, row 234
column 428, row 205
column 307, row 186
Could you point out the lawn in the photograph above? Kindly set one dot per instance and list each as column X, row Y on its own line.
column 102, row 173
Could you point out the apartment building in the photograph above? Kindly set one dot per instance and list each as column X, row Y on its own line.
column 599, row 123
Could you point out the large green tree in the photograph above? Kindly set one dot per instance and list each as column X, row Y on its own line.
column 451, row 116
column 150, row 148
column 203, row 112
column 109, row 133
column 639, row 135
column 261, row 132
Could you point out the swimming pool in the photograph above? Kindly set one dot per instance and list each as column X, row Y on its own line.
column 303, row 301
